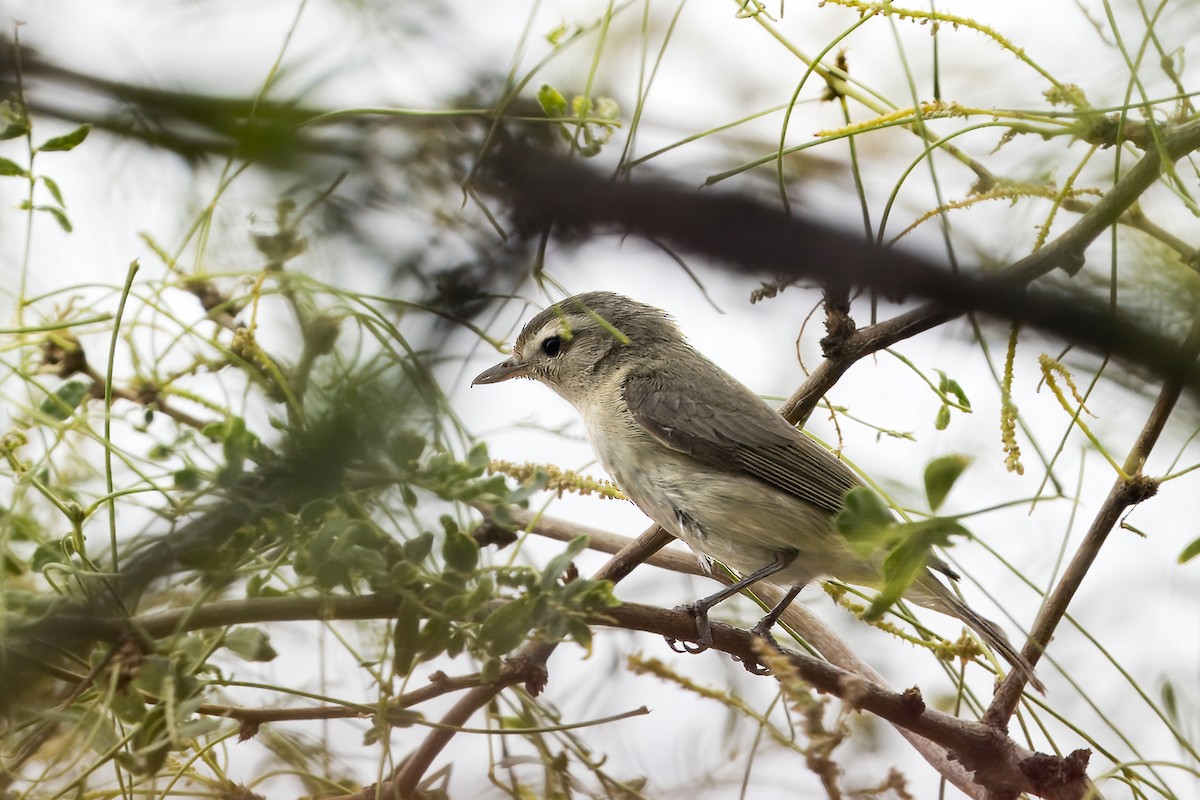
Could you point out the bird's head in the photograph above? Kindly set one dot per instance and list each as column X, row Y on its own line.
column 579, row 342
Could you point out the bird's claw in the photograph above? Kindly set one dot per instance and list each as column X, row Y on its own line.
column 753, row 665
column 704, row 638
column 685, row 647
column 764, row 632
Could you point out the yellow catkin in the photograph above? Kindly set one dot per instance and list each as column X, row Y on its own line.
column 557, row 480
column 1008, row 409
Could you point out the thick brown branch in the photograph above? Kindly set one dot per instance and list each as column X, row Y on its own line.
column 987, row 752
column 1000, row 765
column 797, row 618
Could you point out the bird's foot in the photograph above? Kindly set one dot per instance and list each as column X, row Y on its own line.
column 753, row 666
column 704, row 638
column 763, row 631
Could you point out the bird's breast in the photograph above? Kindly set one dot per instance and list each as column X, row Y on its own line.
column 721, row 513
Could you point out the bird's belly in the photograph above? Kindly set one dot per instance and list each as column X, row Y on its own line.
column 735, row 519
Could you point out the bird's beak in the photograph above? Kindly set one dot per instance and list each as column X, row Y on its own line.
column 509, row 368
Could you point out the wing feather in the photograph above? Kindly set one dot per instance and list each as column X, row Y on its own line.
column 731, row 428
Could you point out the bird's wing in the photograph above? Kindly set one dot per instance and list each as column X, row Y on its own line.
column 731, row 428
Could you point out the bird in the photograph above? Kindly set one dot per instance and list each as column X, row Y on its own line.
column 708, row 460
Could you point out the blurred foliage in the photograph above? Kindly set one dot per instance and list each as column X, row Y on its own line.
column 326, row 466
column 194, row 456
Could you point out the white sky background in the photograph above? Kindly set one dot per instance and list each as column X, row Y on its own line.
column 1137, row 599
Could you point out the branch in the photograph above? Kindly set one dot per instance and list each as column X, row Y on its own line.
column 752, row 237
column 797, row 617
column 530, row 668
column 628, row 554
column 1067, row 249
column 1000, row 765
column 995, row 760
column 1124, row 494
column 439, row 684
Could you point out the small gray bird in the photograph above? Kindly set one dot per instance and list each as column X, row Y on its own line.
column 706, row 458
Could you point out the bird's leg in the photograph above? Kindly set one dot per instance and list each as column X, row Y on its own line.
column 699, row 609
column 763, row 628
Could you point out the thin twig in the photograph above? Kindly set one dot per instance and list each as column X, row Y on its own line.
column 1124, row 493
column 1066, row 249
column 797, row 617
column 528, row 666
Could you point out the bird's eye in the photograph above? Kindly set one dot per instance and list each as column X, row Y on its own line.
column 552, row 346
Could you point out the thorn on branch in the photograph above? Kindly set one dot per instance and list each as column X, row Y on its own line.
column 1073, row 261
column 530, row 671
column 1056, row 777
column 247, row 730
column 489, row 533
column 839, row 326
column 63, row 354
column 914, row 703
column 1139, row 489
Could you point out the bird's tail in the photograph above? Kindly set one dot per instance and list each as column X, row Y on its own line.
column 930, row 592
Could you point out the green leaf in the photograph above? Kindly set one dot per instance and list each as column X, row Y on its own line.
column 11, row 564
column 434, row 639
column 68, row 397
column 238, row 444
column 581, row 632
column 255, row 584
column 405, row 448
column 98, row 729
column 865, row 521
column 552, row 102
column 186, row 478
column 959, row 394
column 313, row 513
column 55, row 192
column 942, row 421
column 150, row 744
column 477, row 459
column 68, row 141
column 15, row 120
column 47, row 554
column 558, row 565
column 490, row 670
column 405, row 638
column 483, row 591
column 506, row 627
column 250, row 644
column 940, row 475
column 59, row 215
column 460, row 551
column 1170, row 702
column 11, row 168
column 906, row 562
column 404, row 574
column 1190, row 552
column 20, row 527
column 419, row 547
